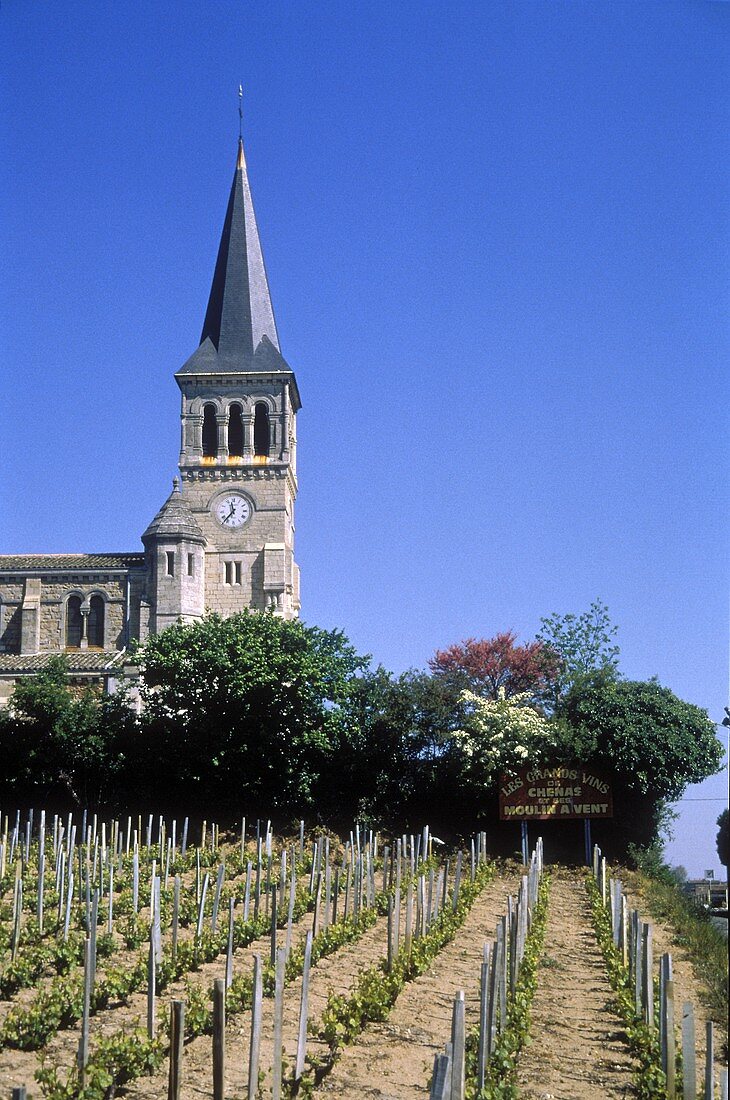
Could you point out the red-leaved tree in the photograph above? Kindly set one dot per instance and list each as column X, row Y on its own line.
column 486, row 665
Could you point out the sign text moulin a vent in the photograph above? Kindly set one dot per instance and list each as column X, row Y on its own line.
column 544, row 793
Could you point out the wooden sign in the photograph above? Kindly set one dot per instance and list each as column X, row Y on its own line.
column 562, row 792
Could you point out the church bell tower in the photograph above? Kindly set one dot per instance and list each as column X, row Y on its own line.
column 240, row 400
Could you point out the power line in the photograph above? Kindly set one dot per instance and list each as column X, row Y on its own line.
column 701, row 800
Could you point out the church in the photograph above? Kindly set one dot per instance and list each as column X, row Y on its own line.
column 223, row 540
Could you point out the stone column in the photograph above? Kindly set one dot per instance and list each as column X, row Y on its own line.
column 195, row 437
column 30, row 616
column 248, row 437
column 285, row 423
column 221, row 420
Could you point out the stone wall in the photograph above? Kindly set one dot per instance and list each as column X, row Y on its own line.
column 54, row 592
column 270, row 489
column 11, row 597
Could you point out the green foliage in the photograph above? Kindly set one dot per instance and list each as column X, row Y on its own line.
column 377, row 988
column 657, row 742
column 651, row 1082
column 35, row 959
column 500, row 1081
column 59, row 1005
column 652, row 743
column 584, row 645
column 117, row 1059
column 392, row 758
column 57, row 742
column 723, row 837
column 693, row 930
column 247, row 707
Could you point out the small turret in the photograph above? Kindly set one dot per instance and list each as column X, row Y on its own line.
column 175, row 549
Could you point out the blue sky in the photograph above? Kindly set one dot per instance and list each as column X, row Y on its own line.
column 497, row 242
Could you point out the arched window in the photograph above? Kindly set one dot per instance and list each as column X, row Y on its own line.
column 261, row 430
column 73, row 622
column 95, row 622
column 235, row 431
column 210, row 432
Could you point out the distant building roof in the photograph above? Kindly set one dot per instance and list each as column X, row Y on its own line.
column 78, row 661
column 65, row 563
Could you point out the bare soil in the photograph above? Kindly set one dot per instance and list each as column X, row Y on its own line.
column 577, row 1048
column 394, row 1060
column 335, row 973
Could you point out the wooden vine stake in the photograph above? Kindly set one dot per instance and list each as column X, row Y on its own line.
column 274, row 918
column 177, row 1038
column 277, row 1063
column 303, row 1010
column 482, row 1054
column 647, row 981
column 441, row 1080
column 255, row 1045
column 219, row 1038
column 83, row 1055
column 175, row 916
column 229, row 944
column 458, row 1041
column 151, row 988
column 390, row 955
column 689, row 1063
column 669, row 1066
column 457, row 882
column 709, row 1060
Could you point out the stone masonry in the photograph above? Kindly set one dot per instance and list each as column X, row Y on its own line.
column 224, row 539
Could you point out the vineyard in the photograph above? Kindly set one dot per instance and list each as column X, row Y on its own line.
column 139, row 960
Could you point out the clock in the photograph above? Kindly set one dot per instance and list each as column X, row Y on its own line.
column 232, row 510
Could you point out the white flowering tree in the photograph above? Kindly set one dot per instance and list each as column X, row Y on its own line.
column 499, row 735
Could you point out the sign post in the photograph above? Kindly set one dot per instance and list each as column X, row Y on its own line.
column 525, row 844
column 564, row 792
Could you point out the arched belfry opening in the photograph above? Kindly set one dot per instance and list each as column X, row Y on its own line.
column 95, row 622
column 261, row 430
column 74, row 622
column 235, row 431
column 210, row 432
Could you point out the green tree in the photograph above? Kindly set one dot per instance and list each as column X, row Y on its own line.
column 723, row 837
column 250, row 707
column 652, row 742
column 498, row 736
column 392, row 763
column 584, row 645
column 60, row 743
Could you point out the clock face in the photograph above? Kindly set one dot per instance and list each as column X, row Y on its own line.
column 232, row 510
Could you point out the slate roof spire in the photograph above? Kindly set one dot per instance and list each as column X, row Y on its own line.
column 239, row 321
column 174, row 520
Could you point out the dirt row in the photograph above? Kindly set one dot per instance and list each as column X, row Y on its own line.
column 395, row 1059
column 577, row 1048
column 18, row 1066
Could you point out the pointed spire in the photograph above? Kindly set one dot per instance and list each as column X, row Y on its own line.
column 239, row 313
column 174, row 520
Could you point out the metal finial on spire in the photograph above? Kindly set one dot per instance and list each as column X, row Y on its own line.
column 240, row 112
